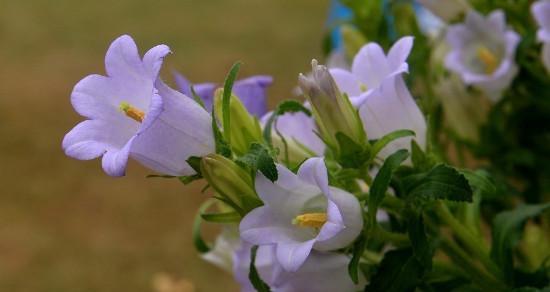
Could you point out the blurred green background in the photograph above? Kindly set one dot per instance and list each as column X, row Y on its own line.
column 64, row 224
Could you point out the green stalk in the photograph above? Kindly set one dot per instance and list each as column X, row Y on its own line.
column 479, row 276
column 474, row 245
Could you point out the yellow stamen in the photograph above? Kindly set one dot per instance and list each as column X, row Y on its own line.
column 315, row 220
column 488, row 59
column 363, row 87
column 132, row 112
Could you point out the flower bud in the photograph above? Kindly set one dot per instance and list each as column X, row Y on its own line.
column 333, row 111
column 230, row 181
column 244, row 127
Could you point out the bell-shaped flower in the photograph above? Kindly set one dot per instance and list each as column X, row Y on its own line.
column 321, row 272
column 541, row 12
column 447, row 10
column 371, row 67
column 483, row 51
column 252, row 91
column 376, row 87
column 130, row 113
column 301, row 213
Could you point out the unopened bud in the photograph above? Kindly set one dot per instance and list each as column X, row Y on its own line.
column 245, row 128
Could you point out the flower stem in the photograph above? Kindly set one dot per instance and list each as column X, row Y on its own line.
column 479, row 276
column 396, row 238
column 474, row 245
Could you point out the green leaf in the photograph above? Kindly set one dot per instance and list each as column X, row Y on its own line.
column 222, row 147
column 184, row 179
column 507, row 232
column 253, row 274
column 226, row 99
column 199, row 243
column 195, row 163
column 399, row 271
column 226, row 217
column 353, row 266
column 420, row 160
column 442, row 182
column 386, row 139
column 258, row 158
column 286, row 106
column 422, row 248
column 382, row 181
column 352, row 155
column 481, row 181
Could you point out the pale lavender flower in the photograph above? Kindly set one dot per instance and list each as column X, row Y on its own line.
column 541, row 12
column 375, row 85
column 302, row 213
column 251, row 91
column 371, row 67
column 130, row 113
column 482, row 52
column 321, row 272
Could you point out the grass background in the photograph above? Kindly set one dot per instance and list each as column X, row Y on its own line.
column 64, row 224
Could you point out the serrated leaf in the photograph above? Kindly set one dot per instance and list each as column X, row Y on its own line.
column 259, row 158
column 352, row 155
column 388, row 138
column 353, row 266
column 399, row 271
column 481, row 181
column 253, row 274
column 226, row 100
column 226, row 217
column 286, row 106
column 382, row 180
column 507, row 232
column 442, row 182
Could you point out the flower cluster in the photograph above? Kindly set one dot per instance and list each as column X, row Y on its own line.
column 345, row 190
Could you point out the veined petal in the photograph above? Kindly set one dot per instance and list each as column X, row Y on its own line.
column 497, row 20
column 122, row 59
column 302, row 128
column 95, row 97
column 314, row 172
column 180, row 130
column 370, row 65
column 183, row 84
column 91, row 138
column 291, row 256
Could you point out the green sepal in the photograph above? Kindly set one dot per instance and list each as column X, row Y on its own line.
column 253, row 274
column 226, row 99
column 259, row 158
column 351, row 154
column 357, row 251
column 386, row 139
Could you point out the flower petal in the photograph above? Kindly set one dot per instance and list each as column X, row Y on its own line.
column 91, row 138
column 291, row 256
column 346, row 81
column 370, row 65
column 114, row 161
column 252, row 92
column 399, row 52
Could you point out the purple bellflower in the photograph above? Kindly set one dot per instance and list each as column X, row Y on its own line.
column 251, row 91
column 482, row 52
column 541, row 12
column 376, row 86
column 131, row 113
column 302, row 213
column 321, row 272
